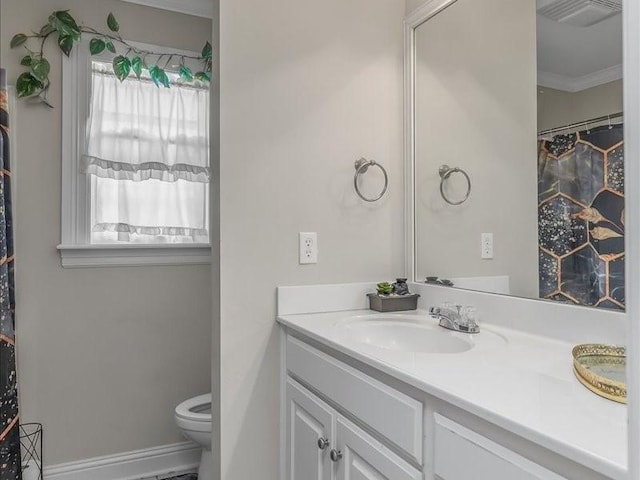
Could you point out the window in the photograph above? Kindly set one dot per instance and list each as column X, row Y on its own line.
column 135, row 168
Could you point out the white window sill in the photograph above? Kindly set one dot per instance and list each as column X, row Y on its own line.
column 82, row 256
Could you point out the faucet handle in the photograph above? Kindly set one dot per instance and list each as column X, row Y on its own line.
column 470, row 315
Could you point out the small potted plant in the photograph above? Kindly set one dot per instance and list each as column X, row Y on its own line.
column 393, row 297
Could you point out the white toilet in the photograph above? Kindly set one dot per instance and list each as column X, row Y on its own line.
column 193, row 417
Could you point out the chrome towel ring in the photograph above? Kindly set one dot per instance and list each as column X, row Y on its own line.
column 445, row 172
column 362, row 166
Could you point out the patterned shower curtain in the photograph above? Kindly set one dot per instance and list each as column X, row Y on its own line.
column 9, row 430
column 581, row 217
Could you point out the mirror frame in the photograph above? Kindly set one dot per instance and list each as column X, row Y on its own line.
column 631, row 67
column 428, row 10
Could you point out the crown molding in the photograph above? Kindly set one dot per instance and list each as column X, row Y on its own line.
column 198, row 8
column 577, row 84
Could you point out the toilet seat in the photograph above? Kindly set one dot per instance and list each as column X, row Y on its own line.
column 195, row 414
column 193, row 417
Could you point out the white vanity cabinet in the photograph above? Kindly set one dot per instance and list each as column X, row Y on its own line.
column 323, row 445
column 340, row 423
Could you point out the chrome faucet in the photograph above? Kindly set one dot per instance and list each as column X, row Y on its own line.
column 454, row 319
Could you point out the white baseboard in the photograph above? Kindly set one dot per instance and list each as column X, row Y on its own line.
column 147, row 464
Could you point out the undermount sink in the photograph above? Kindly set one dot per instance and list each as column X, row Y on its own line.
column 406, row 337
column 410, row 335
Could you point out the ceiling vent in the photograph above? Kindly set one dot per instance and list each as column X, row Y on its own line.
column 580, row 13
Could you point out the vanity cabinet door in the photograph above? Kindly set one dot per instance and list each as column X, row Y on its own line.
column 309, row 435
column 361, row 457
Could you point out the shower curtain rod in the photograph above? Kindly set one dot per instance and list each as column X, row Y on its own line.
column 584, row 123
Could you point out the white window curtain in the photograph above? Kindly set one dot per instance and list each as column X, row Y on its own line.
column 147, row 152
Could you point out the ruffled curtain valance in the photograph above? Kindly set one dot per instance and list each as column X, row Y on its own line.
column 137, row 131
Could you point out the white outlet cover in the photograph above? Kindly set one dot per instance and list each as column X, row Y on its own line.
column 308, row 248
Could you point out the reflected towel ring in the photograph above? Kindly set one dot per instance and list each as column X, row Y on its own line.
column 445, row 172
column 362, row 166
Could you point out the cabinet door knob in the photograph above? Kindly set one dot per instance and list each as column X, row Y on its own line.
column 335, row 455
column 323, row 443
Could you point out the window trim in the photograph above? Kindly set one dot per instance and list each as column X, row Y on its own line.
column 75, row 249
column 111, row 255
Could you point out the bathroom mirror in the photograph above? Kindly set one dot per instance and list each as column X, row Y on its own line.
column 515, row 148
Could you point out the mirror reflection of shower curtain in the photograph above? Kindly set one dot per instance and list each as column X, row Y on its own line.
column 581, row 217
column 10, row 468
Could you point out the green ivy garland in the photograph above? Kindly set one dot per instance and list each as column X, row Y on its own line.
column 35, row 82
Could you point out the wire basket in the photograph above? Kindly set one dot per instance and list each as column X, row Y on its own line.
column 31, row 450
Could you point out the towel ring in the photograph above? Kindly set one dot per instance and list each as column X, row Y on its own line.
column 445, row 172
column 362, row 166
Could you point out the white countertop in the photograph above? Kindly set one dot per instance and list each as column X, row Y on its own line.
column 526, row 387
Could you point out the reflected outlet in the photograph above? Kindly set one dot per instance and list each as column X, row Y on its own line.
column 486, row 245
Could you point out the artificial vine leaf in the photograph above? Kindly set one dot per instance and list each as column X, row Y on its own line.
column 165, row 80
column 186, row 73
column 65, row 17
column 65, row 24
column 54, row 23
column 27, row 85
column 206, row 50
column 96, row 46
column 154, row 74
column 203, row 76
column 47, row 30
column 121, row 67
column 137, row 64
column 112, row 23
column 40, row 68
column 159, row 76
column 18, row 40
column 36, row 82
column 65, row 42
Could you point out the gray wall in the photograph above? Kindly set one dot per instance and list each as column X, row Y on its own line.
column 557, row 108
column 307, row 88
column 476, row 109
column 104, row 355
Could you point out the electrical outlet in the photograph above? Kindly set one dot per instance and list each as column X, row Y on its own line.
column 486, row 245
column 308, row 248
